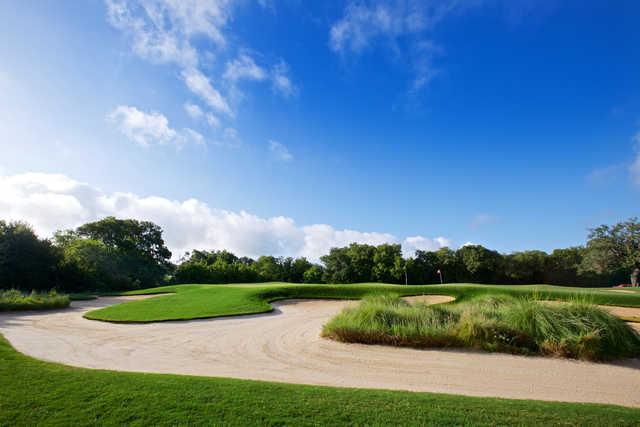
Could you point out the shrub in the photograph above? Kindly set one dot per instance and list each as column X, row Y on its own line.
column 14, row 299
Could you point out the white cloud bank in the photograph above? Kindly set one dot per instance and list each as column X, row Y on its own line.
column 50, row 202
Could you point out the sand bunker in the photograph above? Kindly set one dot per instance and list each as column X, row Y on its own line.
column 430, row 299
column 285, row 346
column 624, row 312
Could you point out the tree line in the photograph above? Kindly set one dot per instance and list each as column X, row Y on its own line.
column 123, row 254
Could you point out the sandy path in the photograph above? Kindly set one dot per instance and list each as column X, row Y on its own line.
column 624, row 312
column 285, row 346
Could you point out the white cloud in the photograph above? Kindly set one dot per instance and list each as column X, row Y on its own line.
column 320, row 238
column 365, row 22
column 244, row 68
column 150, row 128
column 423, row 53
column 194, row 136
column 267, row 4
column 414, row 243
column 188, row 33
column 400, row 26
column 281, row 82
column 213, row 121
column 193, row 110
column 51, row 202
column 280, row 151
column 143, row 128
column 161, row 30
column 199, row 84
column 196, row 113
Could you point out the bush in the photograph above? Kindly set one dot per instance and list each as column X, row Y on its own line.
column 14, row 299
column 576, row 329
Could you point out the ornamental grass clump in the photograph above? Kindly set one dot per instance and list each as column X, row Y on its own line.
column 576, row 329
column 16, row 300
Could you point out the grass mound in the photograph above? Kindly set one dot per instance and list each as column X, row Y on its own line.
column 15, row 300
column 502, row 323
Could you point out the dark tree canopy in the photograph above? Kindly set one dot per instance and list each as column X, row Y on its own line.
column 121, row 254
column 143, row 238
column 613, row 247
column 114, row 254
column 225, row 267
column 26, row 262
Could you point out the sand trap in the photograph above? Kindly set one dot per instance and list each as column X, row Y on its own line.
column 616, row 310
column 430, row 299
column 622, row 311
column 285, row 346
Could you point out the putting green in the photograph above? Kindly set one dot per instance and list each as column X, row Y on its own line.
column 187, row 302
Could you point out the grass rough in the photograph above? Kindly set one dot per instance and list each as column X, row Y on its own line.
column 503, row 323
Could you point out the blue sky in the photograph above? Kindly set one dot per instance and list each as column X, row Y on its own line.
column 289, row 127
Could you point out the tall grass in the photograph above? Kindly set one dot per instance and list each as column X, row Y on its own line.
column 15, row 300
column 502, row 323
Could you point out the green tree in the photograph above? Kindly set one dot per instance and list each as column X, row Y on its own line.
column 314, row 274
column 388, row 264
column 479, row 264
column 140, row 247
column 131, row 236
column 337, row 266
column 563, row 267
column 215, row 267
column 613, row 250
column 422, row 268
column 448, row 265
column 297, row 270
column 269, row 269
column 362, row 262
column 26, row 262
column 90, row 264
column 527, row 267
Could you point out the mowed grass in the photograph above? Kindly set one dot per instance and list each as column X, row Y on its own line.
column 33, row 392
column 202, row 301
column 502, row 323
column 16, row 300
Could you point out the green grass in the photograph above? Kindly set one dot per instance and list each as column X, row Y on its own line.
column 203, row 301
column 82, row 296
column 16, row 300
column 33, row 392
column 503, row 323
